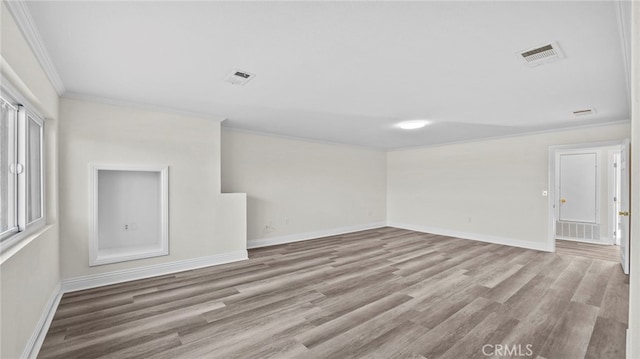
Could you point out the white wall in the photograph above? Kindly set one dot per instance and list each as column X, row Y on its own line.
column 22, row 68
column 488, row 190
column 202, row 222
column 29, row 272
column 633, row 345
column 130, row 198
column 299, row 188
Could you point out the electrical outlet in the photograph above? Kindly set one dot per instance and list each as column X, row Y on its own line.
column 269, row 228
column 131, row 226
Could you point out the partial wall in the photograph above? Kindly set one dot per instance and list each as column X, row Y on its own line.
column 30, row 270
column 487, row 190
column 203, row 223
column 300, row 189
column 633, row 345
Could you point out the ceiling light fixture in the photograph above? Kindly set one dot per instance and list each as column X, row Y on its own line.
column 413, row 124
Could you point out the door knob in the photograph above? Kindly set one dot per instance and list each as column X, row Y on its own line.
column 563, row 200
column 623, row 213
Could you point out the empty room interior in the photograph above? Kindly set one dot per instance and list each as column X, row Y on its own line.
column 211, row 179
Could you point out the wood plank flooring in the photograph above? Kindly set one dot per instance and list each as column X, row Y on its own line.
column 384, row 293
column 589, row 250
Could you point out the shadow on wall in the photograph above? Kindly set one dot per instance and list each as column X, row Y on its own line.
column 258, row 225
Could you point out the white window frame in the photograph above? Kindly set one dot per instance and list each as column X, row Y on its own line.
column 25, row 113
column 25, row 136
column 12, row 180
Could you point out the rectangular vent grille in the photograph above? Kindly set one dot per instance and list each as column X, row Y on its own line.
column 239, row 77
column 577, row 230
column 541, row 55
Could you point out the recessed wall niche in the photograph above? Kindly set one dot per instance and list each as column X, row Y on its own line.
column 129, row 213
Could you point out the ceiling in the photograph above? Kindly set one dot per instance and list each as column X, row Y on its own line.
column 348, row 72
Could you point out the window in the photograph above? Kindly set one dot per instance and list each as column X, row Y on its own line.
column 8, row 159
column 33, row 164
column 21, row 171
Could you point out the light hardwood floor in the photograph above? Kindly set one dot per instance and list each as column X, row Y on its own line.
column 597, row 251
column 385, row 293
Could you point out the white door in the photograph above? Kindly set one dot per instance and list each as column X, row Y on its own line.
column 624, row 207
column 578, row 187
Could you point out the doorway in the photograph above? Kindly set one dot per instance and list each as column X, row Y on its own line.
column 578, row 184
column 588, row 200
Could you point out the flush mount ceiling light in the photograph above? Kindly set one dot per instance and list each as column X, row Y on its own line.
column 413, row 124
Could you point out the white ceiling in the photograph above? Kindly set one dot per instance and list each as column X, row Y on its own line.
column 347, row 71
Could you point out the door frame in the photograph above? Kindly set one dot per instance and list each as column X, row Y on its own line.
column 604, row 147
column 614, row 187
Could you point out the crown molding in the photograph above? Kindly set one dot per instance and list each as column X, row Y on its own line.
column 22, row 16
column 514, row 135
column 139, row 106
column 622, row 14
column 228, row 128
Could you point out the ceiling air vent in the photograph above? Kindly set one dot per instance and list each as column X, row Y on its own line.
column 585, row 112
column 238, row 77
column 541, row 55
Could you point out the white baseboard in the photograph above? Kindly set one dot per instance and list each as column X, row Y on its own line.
column 42, row 327
column 70, row 285
column 602, row 241
column 271, row 241
column 97, row 280
column 539, row 246
column 628, row 345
